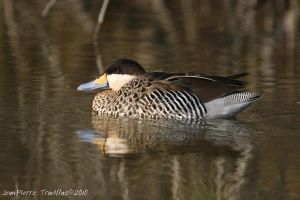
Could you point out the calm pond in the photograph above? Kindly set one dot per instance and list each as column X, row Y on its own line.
column 49, row 140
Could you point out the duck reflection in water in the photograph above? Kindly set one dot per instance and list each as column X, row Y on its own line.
column 225, row 155
column 125, row 135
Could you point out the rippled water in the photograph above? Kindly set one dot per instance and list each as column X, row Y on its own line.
column 49, row 140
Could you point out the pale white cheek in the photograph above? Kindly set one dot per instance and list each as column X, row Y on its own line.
column 116, row 81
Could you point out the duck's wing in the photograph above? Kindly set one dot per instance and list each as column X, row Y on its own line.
column 205, row 87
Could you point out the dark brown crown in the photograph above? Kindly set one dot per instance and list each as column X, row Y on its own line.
column 124, row 66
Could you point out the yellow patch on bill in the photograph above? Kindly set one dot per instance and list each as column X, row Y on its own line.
column 101, row 80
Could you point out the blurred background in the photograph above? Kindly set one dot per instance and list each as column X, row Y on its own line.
column 48, row 138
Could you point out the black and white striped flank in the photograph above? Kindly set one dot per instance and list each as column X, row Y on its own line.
column 174, row 104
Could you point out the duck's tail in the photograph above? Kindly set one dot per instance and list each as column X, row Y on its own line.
column 230, row 104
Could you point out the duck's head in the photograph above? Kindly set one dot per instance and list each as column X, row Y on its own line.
column 117, row 74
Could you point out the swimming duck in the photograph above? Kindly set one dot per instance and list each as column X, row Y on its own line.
column 126, row 89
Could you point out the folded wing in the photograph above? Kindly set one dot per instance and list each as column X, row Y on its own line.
column 205, row 87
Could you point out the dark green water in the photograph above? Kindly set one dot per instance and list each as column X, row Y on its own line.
column 49, row 140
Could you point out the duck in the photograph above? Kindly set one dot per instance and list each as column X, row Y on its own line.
column 125, row 89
